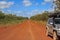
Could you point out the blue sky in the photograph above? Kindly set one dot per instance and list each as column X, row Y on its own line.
column 26, row 8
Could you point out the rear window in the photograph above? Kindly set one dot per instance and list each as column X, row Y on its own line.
column 50, row 20
column 57, row 21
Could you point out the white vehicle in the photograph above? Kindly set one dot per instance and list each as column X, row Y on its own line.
column 53, row 27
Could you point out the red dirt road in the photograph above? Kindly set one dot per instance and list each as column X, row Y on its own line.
column 28, row 30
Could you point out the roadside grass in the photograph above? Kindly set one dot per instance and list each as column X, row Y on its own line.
column 41, row 22
column 14, row 22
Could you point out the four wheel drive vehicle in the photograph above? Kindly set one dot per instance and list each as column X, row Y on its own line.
column 53, row 28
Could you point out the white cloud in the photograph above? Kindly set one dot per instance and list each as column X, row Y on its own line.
column 47, row 0
column 35, row 11
column 36, row 4
column 43, row 3
column 27, row 3
column 55, row 0
column 51, row 10
column 4, row 4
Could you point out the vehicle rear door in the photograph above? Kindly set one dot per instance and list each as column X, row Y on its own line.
column 50, row 25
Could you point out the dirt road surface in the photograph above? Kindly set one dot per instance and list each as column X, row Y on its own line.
column 28, row 30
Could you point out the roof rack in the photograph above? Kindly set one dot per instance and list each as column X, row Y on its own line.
column 56, row 14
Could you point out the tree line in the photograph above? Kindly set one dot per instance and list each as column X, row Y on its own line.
column 41, row 17
column 8, row 18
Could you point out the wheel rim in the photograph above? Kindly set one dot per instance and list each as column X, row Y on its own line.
column 54, row 36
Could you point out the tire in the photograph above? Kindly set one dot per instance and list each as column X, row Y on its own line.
column 55, row 36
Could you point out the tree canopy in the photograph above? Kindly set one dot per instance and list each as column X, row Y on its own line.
column 7, row 18
column 43, row 16
column 57, row 2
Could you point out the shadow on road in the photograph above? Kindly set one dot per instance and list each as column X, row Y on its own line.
column 52, row 37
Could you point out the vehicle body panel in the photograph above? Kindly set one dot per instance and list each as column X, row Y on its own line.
column 50, row 27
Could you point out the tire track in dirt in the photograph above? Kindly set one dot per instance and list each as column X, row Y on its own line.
column 32, row 35
column 28, row 30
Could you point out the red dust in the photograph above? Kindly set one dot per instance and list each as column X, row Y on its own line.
column 28, row 30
